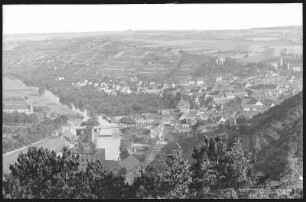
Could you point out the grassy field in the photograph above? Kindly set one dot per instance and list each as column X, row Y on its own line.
column 52, row 143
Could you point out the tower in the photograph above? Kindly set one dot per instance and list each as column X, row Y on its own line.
column 288, row 66
column 281, row 61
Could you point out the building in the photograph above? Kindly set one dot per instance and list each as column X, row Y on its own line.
column 88, row 153
column 125, row 90
column 60, row 78
column 253, row 105
column 220, row 60
column 274, row 65
column 192, row 82
column 80, row 131
column 166, row 111
column 219, row 79
column 157, row 132
column 200, row 81
column 19, row 106
column 138, row 149
column 296, row 68
column 222, row 100
column 132, row 166
column 145, row 122
column 183, row 106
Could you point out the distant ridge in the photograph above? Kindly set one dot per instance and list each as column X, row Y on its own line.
column 135, row 31
column 278, row 27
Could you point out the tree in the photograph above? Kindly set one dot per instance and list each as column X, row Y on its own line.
column 204, row 172
column 36, row 174
column 177, row 175
column 235, row 168
column 105, row 185
column 42, row 174
column 221, row 169
column 150, row 184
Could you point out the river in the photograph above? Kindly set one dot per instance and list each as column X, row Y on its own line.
column 111, row 142
column 15, row 87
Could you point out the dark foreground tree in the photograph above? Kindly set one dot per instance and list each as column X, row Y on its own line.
column 235, row 168
column 203, row 170
column 42, row 174
column 219, row 169
column 150, row 184
column 177, row 176
column 39, row 174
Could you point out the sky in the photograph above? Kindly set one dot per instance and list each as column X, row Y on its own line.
column 93, row 18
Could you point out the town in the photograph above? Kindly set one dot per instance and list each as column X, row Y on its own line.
column 216, row 102
column 125, row 103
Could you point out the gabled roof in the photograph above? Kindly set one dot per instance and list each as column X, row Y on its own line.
column 252, row 101
column 129, row 163
column 111, row 166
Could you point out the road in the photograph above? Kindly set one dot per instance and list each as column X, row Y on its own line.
column 55, row 144
column 52, row 143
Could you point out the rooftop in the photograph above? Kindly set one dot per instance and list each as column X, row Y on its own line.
column 129, row 163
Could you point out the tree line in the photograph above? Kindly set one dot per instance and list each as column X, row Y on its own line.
column 219, row 171
column 34, row 131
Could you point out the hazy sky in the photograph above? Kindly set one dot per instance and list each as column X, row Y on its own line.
column 86, row 18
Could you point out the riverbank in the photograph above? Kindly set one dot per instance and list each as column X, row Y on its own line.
column 46, row 99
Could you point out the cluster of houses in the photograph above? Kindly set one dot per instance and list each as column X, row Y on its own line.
column 20, row 106
column 295, row 67
column 82, row 143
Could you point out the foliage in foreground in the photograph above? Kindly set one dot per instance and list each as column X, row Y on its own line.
column 219, row 171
